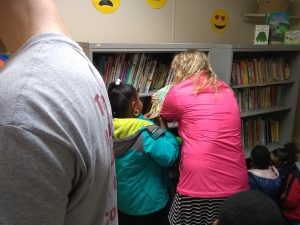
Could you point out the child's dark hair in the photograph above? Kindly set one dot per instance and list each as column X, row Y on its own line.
column 260, row 157
column 287, row 154
column 250, row 208
column 120, row 96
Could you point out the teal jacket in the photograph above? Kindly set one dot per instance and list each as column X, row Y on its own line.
column 142, row 168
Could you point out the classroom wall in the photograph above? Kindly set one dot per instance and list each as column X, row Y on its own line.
column 178, row 21
column 133, row 22
column 192, row 21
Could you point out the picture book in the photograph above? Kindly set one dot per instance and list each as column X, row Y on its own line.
column 292, row 37
column 261, row 34
column 279, row 24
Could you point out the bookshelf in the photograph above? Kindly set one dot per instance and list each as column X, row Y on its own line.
column 133, row 63
column 277, row 92
column 267, row 91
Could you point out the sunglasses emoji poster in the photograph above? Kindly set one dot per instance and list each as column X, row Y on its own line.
column 219, row 20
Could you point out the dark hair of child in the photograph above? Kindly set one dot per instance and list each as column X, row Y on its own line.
column 287, row 154
column 250, row 208
column 260, row 157
column 120, row 97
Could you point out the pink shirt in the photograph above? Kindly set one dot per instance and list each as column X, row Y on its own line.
column 212, row 158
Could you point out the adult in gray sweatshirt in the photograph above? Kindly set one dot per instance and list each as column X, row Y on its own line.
column 56, row 161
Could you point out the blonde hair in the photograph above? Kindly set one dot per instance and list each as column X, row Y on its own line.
column 190, row 63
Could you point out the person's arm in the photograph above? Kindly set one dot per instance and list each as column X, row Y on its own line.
column 36, row 177
column 170, row 110
column 164, row 150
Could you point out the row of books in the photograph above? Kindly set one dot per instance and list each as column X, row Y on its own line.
column 258, row 97
column 259, row 70
column 138, row 69
column 260, row 130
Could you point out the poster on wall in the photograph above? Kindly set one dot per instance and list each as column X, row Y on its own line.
column 157, row 4
column 106, row 6
column 219, row 20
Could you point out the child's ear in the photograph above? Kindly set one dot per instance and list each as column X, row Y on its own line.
column 135, row 110
column 133, row 105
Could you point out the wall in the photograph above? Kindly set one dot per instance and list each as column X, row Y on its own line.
column 192, row 21
column 178, row 21
column 295, row 10
column 133, row 22
column 136, row 22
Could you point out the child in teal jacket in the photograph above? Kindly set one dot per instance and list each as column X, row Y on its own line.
column 143, row 153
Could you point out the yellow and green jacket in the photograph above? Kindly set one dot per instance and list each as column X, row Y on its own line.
column 143, row 153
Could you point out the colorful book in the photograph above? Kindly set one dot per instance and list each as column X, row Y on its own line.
column 279, row 24
column 261, row 34
column 292, row 37
column 150, row 76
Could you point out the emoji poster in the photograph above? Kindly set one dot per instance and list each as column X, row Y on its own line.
column 106, row 6
column 157, row 4
column 219, row 20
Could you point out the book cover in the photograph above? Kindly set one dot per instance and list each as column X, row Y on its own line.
column 261, row 34
column 279, row 24
column 292, row 37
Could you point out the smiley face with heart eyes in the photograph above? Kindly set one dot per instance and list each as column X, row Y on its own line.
column 219, row 20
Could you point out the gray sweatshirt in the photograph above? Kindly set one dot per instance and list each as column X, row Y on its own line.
column 56, row 161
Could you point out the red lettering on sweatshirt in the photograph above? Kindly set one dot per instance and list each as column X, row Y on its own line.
column 99, row 103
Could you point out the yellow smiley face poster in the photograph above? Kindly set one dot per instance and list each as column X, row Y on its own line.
column 157, row 4
column 106, row 6
column 219, row 20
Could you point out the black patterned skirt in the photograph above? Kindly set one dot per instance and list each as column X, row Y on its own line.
column 194, row 211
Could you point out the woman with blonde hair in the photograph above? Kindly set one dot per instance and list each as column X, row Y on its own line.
column 212, row 165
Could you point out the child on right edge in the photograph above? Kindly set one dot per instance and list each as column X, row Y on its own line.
column 285, row 160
